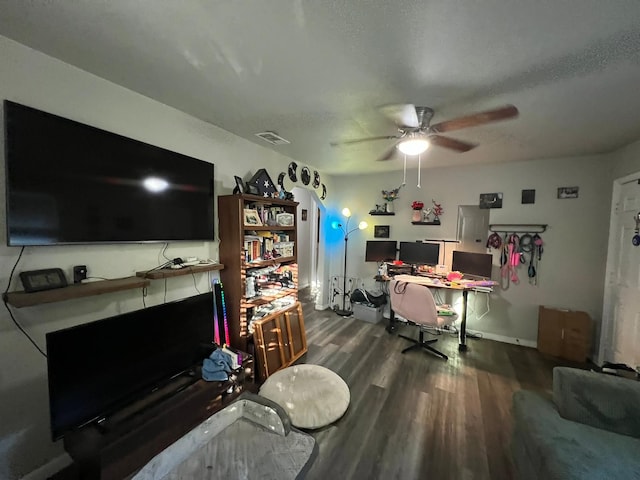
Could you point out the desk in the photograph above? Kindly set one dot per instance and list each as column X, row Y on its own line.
column 430, row 282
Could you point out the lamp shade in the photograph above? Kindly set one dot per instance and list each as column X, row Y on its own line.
column 346, row 212
column 413, row 146
column 362, row 225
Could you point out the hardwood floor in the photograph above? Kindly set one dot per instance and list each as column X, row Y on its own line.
column 416, row 416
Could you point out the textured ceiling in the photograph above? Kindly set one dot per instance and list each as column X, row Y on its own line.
column 316, row 72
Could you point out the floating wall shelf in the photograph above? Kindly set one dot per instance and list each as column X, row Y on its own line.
column 171, row 272
column 426, row 223
column 78, row 290
column 382, row 213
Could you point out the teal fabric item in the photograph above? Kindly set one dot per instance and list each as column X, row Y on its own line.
column 547, row 446
column 217, row 366
column 602, row 401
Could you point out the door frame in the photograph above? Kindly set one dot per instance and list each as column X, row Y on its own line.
column 606, row 325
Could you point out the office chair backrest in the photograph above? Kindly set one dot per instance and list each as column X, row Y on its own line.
column 414, row 303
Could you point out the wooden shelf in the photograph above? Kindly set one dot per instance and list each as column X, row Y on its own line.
column 381, row 213
column 257, row 301
column 266, row 263
column 24, row 299
column 426, row 223
column 177, row 272
column 269, row 228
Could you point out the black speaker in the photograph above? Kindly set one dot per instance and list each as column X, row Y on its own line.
column 79, row 273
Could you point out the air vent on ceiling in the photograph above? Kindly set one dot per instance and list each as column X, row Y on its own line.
column 272, row 137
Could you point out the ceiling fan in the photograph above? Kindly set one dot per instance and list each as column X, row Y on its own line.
column 415, row 132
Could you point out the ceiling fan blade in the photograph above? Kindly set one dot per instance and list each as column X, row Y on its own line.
column 402, row 115
column 450, row 143
column 360, row 140
column 504, row 113
column 389, row 154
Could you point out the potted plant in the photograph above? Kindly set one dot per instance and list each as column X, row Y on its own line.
column 417, row 207
column 389, row 196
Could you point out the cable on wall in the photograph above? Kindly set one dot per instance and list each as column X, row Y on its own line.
column 4, row 298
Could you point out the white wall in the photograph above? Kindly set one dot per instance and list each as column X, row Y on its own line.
column 37, row 80
column 573, row 264
column 626, row 161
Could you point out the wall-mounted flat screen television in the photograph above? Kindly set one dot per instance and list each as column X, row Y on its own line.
column 380, row 251
column 472, row 264
column 98, row 367
column 70, row 183
column 419, row 253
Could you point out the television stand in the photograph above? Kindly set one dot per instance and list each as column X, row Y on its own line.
column 117, row 447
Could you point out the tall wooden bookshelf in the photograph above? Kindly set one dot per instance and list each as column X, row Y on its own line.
column 242, row 258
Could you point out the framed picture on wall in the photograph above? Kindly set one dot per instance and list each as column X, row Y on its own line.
column 381, row 231
column 568, row 192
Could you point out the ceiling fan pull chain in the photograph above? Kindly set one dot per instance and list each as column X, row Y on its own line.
column 404, row 178
column 419, row 159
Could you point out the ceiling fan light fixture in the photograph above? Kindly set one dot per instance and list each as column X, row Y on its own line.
column 413, row 146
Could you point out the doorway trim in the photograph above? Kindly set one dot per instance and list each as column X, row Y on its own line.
column 606, row 326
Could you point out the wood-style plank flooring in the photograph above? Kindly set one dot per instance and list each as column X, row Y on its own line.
column 414, row 415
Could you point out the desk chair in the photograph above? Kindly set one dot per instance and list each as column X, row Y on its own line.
column 415, row 304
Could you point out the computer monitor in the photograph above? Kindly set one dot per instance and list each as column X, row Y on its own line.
column 380, row 251
column 419, row 253
column 472, row 264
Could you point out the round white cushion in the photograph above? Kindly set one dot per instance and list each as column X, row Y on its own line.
column 312, row 395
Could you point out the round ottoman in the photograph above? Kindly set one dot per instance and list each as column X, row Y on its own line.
column 312, row 395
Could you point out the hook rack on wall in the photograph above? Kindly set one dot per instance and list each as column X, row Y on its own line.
column 518, row 227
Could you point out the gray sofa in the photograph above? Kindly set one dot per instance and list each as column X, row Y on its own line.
column 589, row 430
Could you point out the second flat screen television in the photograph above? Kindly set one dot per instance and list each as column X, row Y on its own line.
column 380, row 251
column 419, row 253
column 472, row 264
column 71, row 183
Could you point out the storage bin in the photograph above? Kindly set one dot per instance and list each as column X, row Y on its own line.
column 284, row 248
column 367, row 313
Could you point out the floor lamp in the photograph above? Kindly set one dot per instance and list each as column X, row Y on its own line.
column 345, row 229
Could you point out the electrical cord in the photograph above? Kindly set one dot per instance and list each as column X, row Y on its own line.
column 195, row 285
column 6, row 304
column 144, row 294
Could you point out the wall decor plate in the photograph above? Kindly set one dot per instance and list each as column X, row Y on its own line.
column 324, row 192
column 305, row 175
column 281, row 179
column 292, row 171
column 316, row 179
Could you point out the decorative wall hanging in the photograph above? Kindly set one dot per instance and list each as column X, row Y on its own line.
column 324, row 192
column 303, row 215
column 528, row 196
column 568, row 192
column 292, row 171
column 305, row 175
column 281, row 179
column 491, row 200
column 381, row 231
column 316, row 179
column 262, row 181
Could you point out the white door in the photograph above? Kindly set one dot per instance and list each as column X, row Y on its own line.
column 620, row 334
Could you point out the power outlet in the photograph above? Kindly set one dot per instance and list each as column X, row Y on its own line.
column 79, row 273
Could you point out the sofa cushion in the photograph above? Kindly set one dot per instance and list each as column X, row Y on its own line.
column 560, row 449
column 602, row 401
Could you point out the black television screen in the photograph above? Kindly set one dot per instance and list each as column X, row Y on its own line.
column 419, row 253
column 472, row 264
column 98, row 367
column 68, row 183
column 380, row 251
